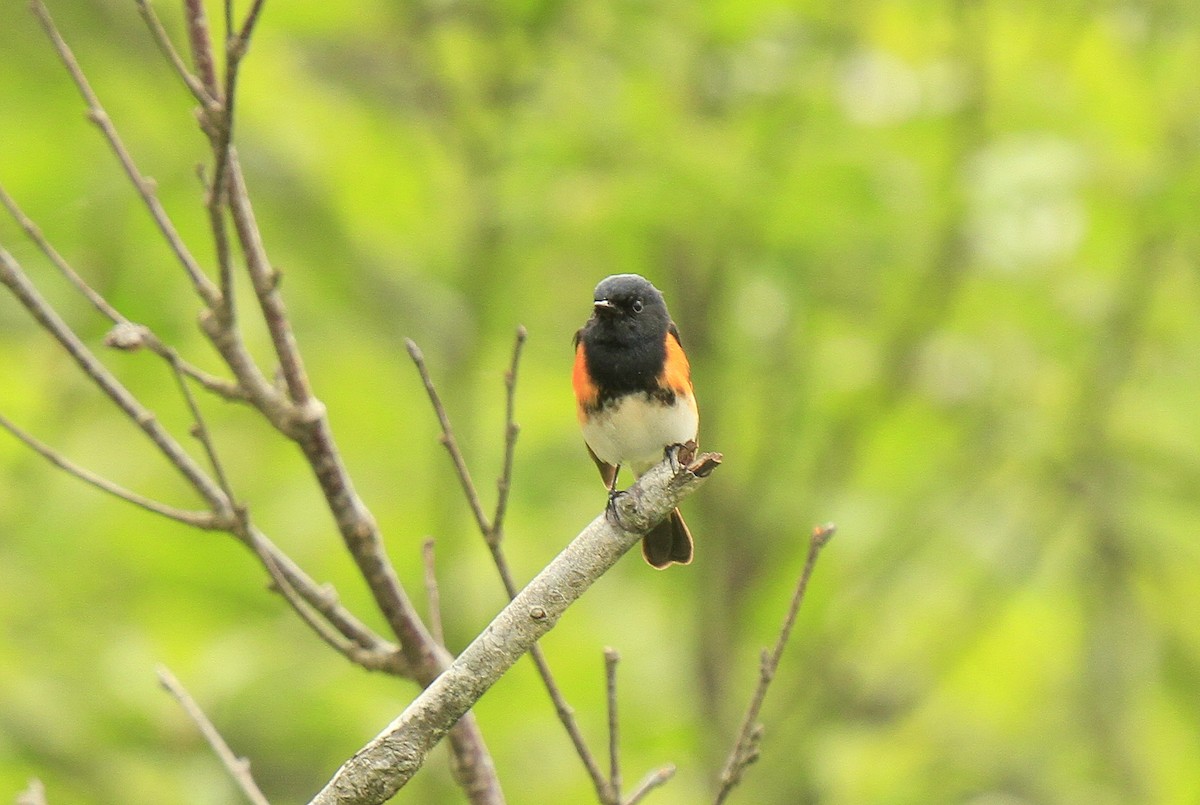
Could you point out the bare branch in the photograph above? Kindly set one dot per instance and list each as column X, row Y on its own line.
column 238, row 768
column 361, row 645
column 448, row 440
column 221, row 124
column 144, row 186
column 611, row 658
column 250, row 21
column 201, row 45
column 265, row 280
column 365, row 648
column 163, row 40
column 34, row 233
column 364, row 655
column 21, row 288
column 199, row 519
column 384, row 765
column 213, row 121
column 298, row 415
column 511, row 431
column 144, row 337
column 651, row 781
column 200, row 429
column 745, row 748
column 335, row 626
column 491, row 534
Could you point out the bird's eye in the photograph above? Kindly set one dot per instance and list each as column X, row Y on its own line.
column 637, row 305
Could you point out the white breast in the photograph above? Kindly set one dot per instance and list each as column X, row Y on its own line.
column 634, row 431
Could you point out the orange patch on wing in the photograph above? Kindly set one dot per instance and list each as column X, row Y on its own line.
column 586, row 392
column 677, row 372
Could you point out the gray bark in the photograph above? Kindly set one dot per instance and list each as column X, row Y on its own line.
column 378, row 770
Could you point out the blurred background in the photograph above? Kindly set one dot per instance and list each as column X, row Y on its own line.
column 936, row 267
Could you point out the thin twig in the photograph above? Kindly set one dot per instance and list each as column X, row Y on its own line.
column 365, row 648
column 251, row 20
column 199, row 519
column 351, row 638
column 432, row 593
column 217, row 385
column 370, row 652
column 228, row 5
column 34, row 233
column 236, row 47
column 611, row 658
column 200, row 428
column 379, row 769
column 566, row 715
column 243, row 529
column 144, row 186
column 360, row 645
column 238, row 768
column 265, row 280
column 12, row 275
column 448, row 440
column 223, row 388
column 564, row 711
column 163, row 40
column 299, row 416
column 511, row 431
column 216, row 217
column 745, row 748
column 201, row 45
column 216, row 124
column 651, row 781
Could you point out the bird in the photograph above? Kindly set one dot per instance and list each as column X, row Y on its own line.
column 634, row 396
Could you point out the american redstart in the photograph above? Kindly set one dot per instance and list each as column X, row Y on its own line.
column 633, row 393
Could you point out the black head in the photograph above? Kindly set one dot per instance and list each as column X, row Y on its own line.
column 627, row 307
column 625, row 340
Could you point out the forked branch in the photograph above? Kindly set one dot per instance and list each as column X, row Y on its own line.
column 746, row 746
column 383, row 766
column 144, row 186
column 493, row 535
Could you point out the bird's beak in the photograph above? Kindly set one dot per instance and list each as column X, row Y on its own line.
column 603, row 306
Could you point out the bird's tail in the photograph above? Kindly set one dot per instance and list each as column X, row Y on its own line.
column 669, row 543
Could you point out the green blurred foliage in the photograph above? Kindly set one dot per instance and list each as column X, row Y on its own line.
column 935, row 265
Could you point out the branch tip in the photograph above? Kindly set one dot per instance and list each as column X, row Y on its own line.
column 746, row 746
column 822, row 534
column 238, row 768
column 703, row 466
column 414, row 351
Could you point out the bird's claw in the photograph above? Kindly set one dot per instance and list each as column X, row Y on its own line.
column 611, row 507
column 680, row 455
